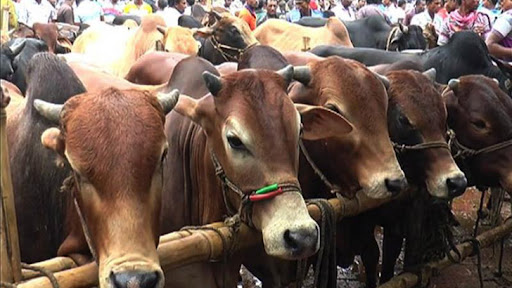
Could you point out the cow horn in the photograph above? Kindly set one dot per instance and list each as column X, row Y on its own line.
column 431, row 74
column 48, row 110
column 213, row 82
column 383, row 79
column 453, row 84
column 496, row 80
column 216, row 14
column 161, row 29
column 168, row 100
column 286, row 73
column 302, row 74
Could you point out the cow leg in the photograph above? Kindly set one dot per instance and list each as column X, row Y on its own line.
column 370, row 255
column 391, row 247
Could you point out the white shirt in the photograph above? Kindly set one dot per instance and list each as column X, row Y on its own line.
column 88, row 11
column 32, row 12
column 345, row 14
column 171, row 16
column 422, row 19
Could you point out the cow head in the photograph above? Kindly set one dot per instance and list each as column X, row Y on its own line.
column 114, row 143
column 7, row 55
column 253, row 129
column 229, row 31
column 179, row 39
column 407, row 37
column 480, row 114
column 410, row 123
column 357, row 96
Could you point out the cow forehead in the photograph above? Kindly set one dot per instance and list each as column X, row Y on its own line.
column 418, row 98
column 103, row 131
column 482, row 97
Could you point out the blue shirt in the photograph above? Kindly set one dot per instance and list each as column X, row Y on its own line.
column 294, row 15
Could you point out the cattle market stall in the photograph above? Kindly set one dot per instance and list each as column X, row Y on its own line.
column 189, row 245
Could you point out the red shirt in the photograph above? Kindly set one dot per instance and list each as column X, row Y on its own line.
column 248, row 16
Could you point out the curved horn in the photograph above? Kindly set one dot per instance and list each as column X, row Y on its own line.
column 213, row 82
column 431, row 74
column 216, row 14
column 161, row 29
column 48, row 110
column 302, row 74
column 383, row 79
column 168, row 100
column 453, row 84
column 496, row 80
column 286, row 73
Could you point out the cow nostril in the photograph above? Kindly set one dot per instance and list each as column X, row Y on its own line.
column 301, row 240
column 456, row 185
column 396, row 186
column 138, row 279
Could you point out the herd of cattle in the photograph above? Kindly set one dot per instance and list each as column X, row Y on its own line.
column 156, row 141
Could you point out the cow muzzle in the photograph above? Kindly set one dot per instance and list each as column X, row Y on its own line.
column 287, row 229
column 136, row 273
column 448, row 186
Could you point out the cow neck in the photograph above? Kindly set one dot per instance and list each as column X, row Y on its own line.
column 332, row 188
column 247, row 198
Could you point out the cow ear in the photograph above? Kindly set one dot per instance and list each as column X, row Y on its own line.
column 320, row 123
column 203, row 32
column 52, row 139
column 194, row 109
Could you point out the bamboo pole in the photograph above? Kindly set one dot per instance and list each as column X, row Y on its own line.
column 409, row 280
column 5, row 266
column 52, row 265
column 188, row 246
column 7, row 196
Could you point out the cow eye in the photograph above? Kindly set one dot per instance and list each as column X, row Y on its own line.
column 333, row 108
column 404, row 120
column 235, row 142
column 479, row 124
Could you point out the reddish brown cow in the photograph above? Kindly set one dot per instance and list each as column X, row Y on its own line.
column 355, row 95
column 117, row 190
column 154, row 68
column 481, row 116
column 251, row 127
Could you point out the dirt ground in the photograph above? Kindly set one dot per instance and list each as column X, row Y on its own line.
column 462, row 275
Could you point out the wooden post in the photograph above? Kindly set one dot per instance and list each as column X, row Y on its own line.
column 5, row 267
column 5, row 20
column 7, row 198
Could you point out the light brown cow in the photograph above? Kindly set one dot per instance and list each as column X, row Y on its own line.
column 285, row 36
column 154, row 68
column 117, row 48
column 115, row 144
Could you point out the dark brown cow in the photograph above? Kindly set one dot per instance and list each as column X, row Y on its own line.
column 154, row 68
column 252, row 127
column 431, row 168
column 481, row 116
column 117, row 165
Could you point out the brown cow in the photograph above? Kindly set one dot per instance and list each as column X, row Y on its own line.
column 179, row 40
column 356, row 95
column 431, row 168
column 481, row 116
column 251, row 127
column 154, row 68
column 117, row 190
column 285, row 36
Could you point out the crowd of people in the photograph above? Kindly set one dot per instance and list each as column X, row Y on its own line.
column 488, row 18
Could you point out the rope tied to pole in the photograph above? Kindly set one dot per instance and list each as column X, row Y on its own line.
column 44, row 272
